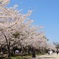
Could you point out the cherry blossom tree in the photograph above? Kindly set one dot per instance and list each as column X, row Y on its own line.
column 51, row 46
column 16, row 29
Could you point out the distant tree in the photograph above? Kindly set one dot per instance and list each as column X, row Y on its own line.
column 51, row 46
column 57, row 45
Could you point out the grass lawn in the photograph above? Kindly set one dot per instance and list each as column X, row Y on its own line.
column 21, row 57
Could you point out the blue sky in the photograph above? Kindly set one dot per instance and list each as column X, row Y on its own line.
column 45, row 13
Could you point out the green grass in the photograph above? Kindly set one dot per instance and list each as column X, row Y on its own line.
column 21, row 57
column 24, row 57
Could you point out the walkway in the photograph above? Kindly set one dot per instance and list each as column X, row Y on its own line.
column 52, row 56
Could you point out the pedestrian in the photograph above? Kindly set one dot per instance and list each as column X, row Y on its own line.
column 51, row 52
column 57, row 52
column 17, row 52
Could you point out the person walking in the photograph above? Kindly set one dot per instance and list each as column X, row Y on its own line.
column 57, row 51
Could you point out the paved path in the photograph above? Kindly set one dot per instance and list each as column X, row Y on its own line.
column 52, row 56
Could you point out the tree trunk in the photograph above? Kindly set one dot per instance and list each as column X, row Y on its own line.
column 33, row 52
column 8, row 45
